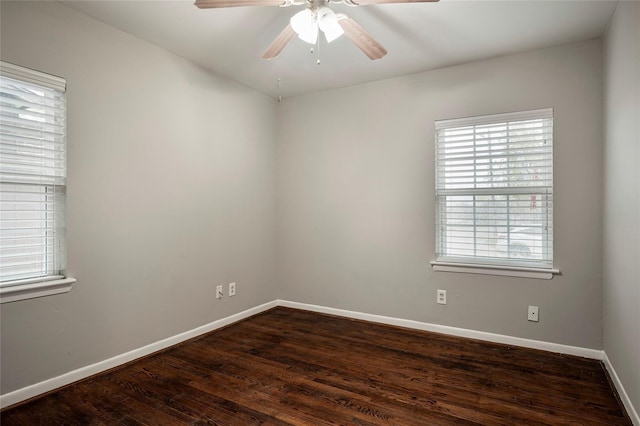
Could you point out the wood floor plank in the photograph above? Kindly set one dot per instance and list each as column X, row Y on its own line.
column 514, row 359
column 289, row 374
column 526, row 389
column 328, row 353
column 293, row 367
column 457, row 400
column 219, row 410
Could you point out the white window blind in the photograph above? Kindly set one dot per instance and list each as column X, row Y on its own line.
column 494, row 189
column 32, row 176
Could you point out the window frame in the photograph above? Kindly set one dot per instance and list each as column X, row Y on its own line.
column 55, row 281
column 492, row 265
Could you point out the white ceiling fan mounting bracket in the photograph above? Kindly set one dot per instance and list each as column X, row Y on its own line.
column 317, row 3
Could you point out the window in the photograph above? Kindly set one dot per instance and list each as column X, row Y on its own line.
column 494, row 192
column 32, row 183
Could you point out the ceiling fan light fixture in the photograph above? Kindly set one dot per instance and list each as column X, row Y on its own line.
column 305, row 25
column 328, row 23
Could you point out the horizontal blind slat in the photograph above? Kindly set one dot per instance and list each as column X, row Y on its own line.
column 34, row 139
column 30, row 126
column 54, row 109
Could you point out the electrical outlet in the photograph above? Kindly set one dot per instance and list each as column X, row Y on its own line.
column 232, row 289
column 533, row 313
column 219, row 292
column 441, row 297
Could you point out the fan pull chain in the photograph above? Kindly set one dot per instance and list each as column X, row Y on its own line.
column 318, row 48
column 278, row 86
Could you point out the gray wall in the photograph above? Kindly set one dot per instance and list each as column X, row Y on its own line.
column 170, row 192
column 622, row 197
column 355, row 185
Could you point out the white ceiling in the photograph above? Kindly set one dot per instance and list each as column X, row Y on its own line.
column 418, row 36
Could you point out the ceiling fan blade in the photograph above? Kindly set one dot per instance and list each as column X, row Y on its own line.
column 279, row 43
column 367, row 2
column 361, row 38
column 208, row 4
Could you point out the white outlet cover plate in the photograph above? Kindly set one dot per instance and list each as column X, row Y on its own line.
column 533, row 313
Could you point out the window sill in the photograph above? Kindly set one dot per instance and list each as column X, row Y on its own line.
column 31, row 290
column 509, row 271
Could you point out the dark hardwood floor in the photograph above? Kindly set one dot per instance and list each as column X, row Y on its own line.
column 290, row 367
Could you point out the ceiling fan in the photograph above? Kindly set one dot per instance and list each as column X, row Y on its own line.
column 316, row 17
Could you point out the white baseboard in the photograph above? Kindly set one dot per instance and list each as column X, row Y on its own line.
column 36, row 389
column 82, row 373
column 482, row 335
column 453, row 331
column 635, row 419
